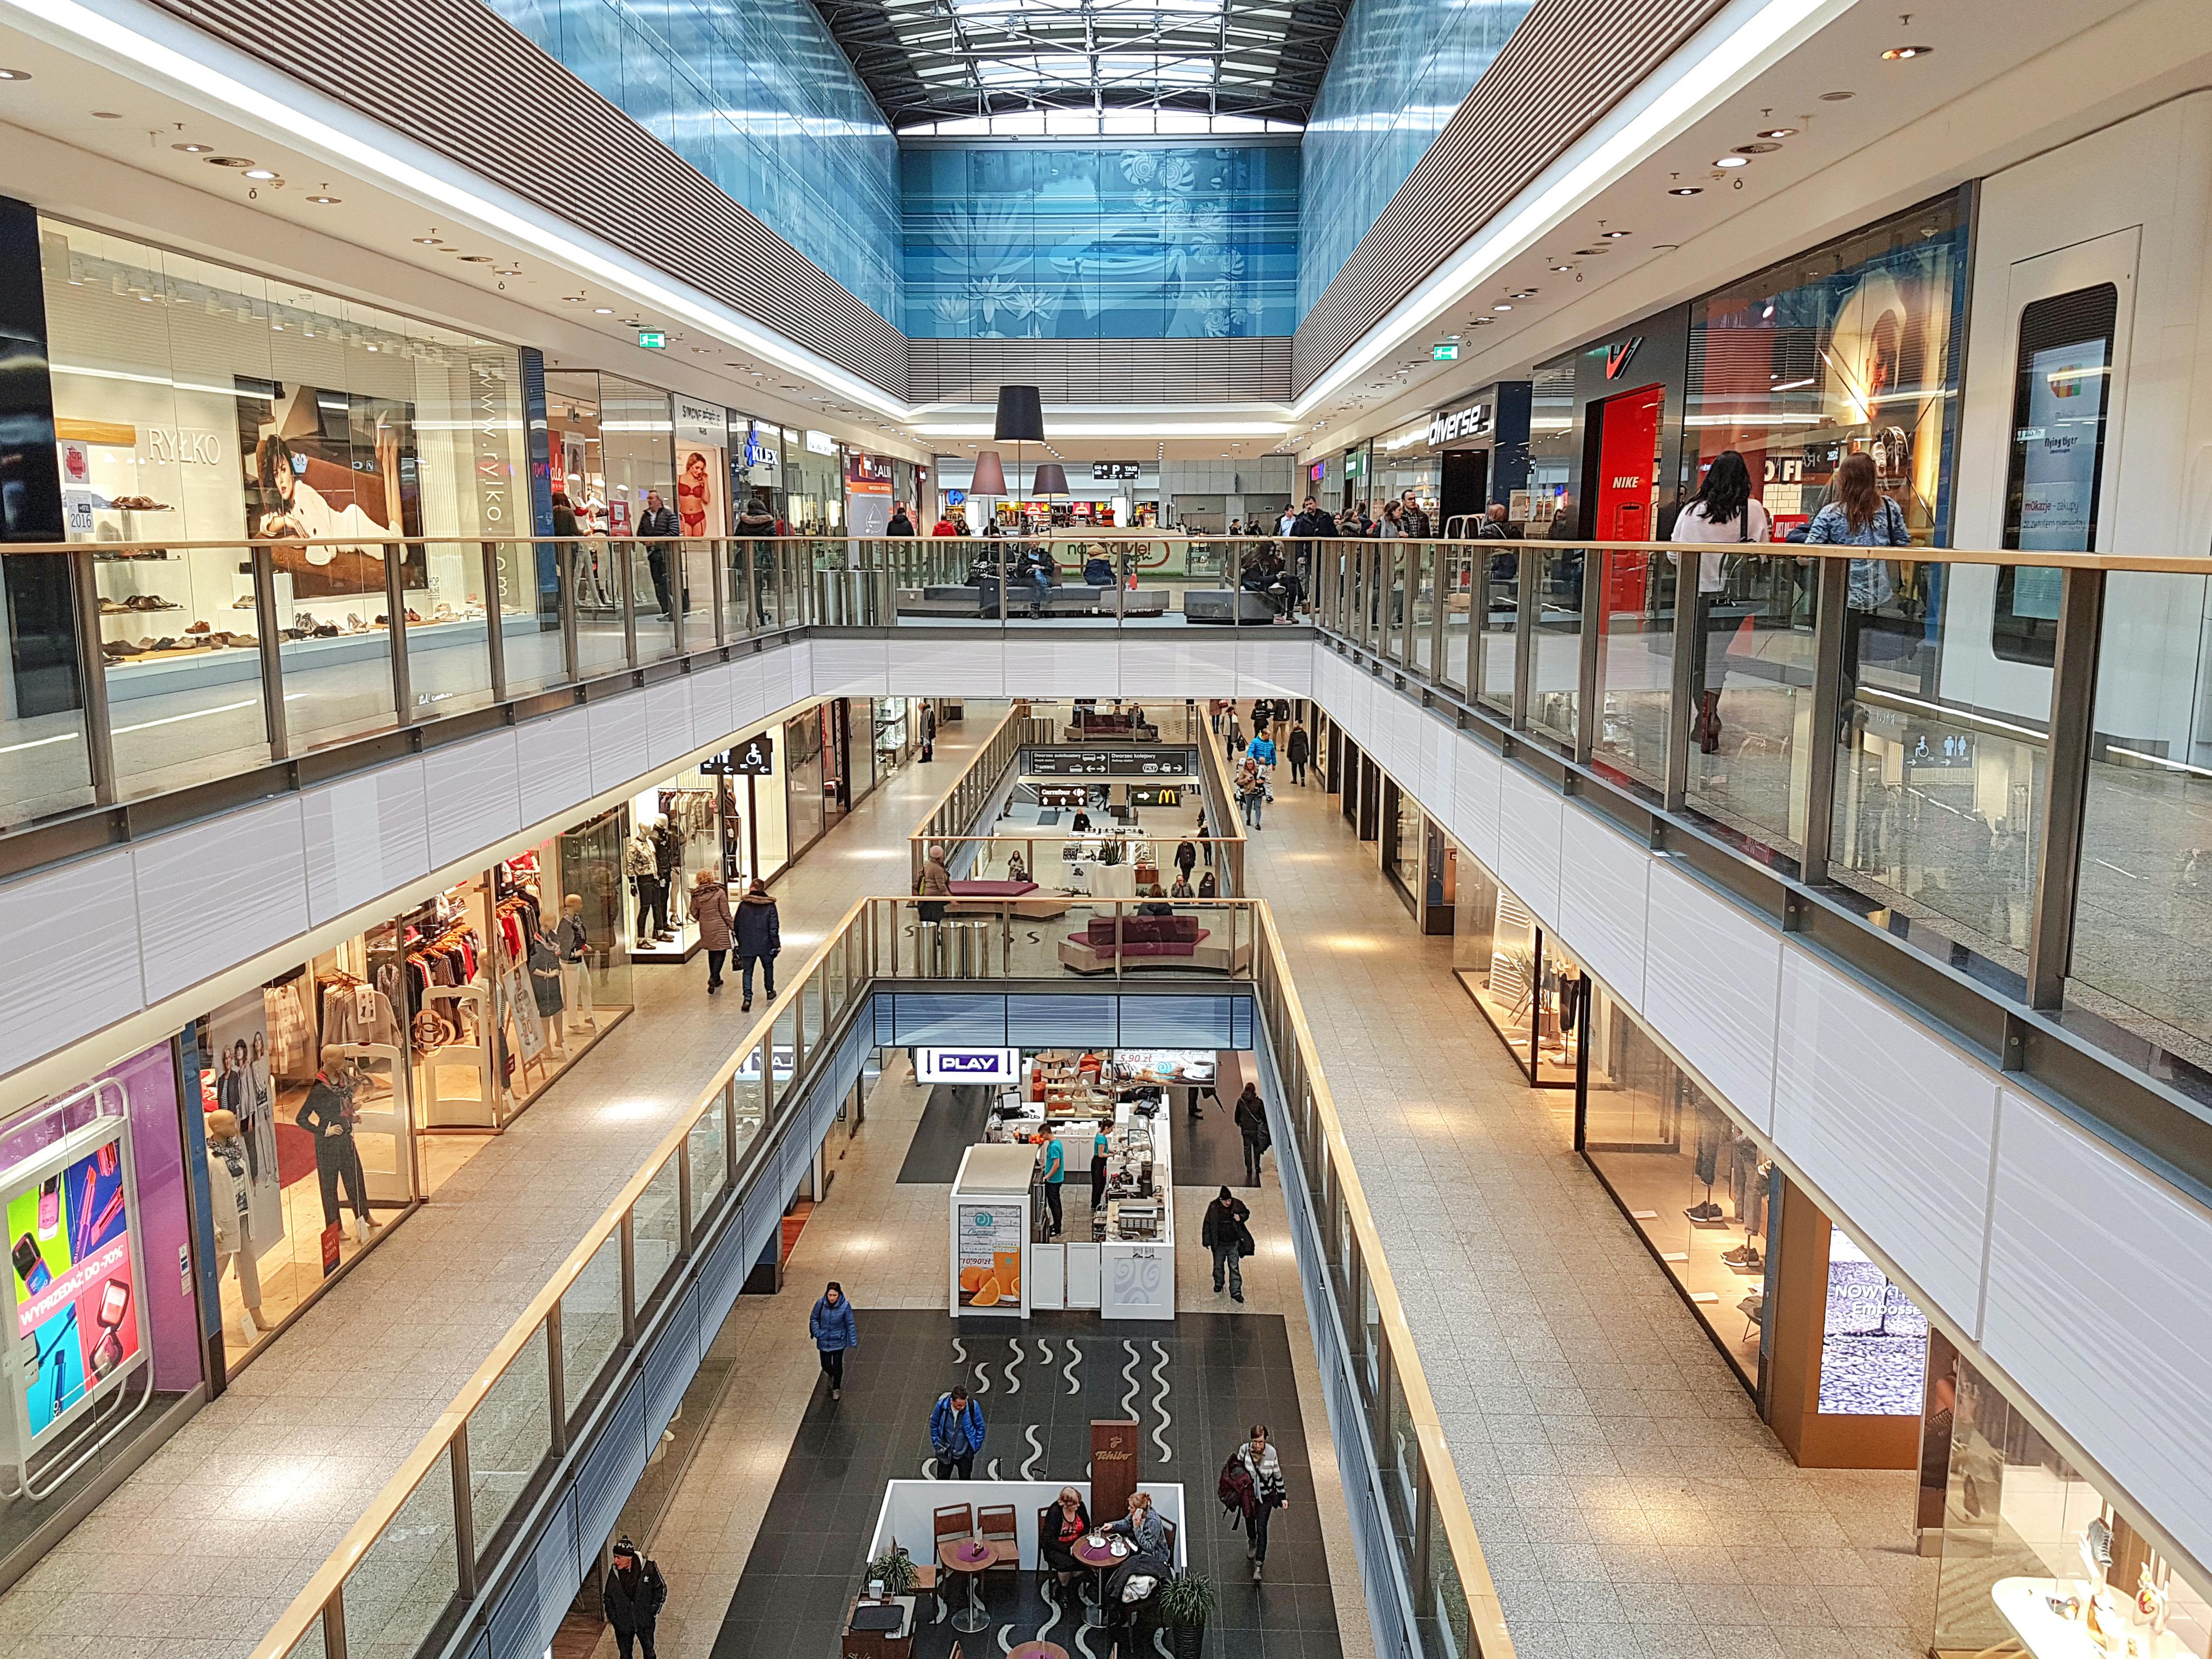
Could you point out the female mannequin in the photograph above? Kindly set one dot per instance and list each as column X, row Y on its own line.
column 227, row 1196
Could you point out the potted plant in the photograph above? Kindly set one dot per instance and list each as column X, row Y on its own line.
column 1186, row 1604
column 893, row 1570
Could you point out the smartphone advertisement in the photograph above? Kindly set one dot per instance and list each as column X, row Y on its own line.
column 74, row 1295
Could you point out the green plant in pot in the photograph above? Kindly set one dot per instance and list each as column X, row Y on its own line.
column 1185, row 1605
column 893, row 1570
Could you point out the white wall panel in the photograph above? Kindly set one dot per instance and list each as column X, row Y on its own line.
column 1062, row 668
column 1528, row 842
column 1268, row 666
column 710, row 706
column 1891, row 1122
column 852, row 668
column 1604, row 882
column 73, row 965
column 364, row 835
column 618, row 746
column 1711, row 977
column 1180, row 663
column 938, row 668
column 554, row 758
column 1439, row 766
column 213, row 894
column 471, row 795
column 1477, row 782
column 747, row 692
column 668, row 720
column 2099, row 1304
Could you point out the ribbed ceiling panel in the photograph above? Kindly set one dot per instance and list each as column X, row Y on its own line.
column 1101, row 370
column 1568, row 64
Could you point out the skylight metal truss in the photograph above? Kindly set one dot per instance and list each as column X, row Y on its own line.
column 926, row 61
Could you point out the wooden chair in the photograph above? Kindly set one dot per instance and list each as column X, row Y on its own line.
column 996, row 1521
column 952, row 1521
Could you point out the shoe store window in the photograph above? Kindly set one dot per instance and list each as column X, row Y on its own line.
column 103, row 1345
column 1527, row 985
column 197, row 403
column 2037, row 1557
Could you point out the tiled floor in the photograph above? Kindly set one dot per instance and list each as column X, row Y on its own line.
column 200, row 1550
column 1628, row 1500
column 884, row 1240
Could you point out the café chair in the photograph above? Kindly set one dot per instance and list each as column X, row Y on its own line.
column 997, row 1523
column 952, row 1521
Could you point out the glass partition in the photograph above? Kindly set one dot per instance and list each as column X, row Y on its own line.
column 510, row 1438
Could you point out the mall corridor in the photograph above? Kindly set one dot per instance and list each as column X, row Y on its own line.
column 1628, row 1497
column 266, row 1480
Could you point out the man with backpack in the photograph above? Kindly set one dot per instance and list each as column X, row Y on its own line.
column 632, row 1598
column 956, row 1434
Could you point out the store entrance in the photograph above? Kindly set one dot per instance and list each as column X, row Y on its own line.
column 1464, row 493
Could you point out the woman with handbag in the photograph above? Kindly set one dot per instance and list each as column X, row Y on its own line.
column 1722, row 511
column 1269, row 1493
column 1860, row 515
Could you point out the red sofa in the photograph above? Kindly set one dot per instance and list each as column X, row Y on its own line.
column 1165, row 940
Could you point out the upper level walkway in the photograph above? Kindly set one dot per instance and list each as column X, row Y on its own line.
column 202, row 1549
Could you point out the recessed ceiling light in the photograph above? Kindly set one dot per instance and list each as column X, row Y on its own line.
column 324, row 201
column 1665, row 247
column 1757, row 149
column 603, row 311
column 1686, row 190
column 1779, row 133
column 1522, row 293
column 1615, row 235
column 1836, row 97
column 14, row 75
column 261, row 173
column 1900, row 54
column 107, row 115
column 573, row 299
column 1501, row 307
column 1732, row 161
column 193, row 149
column 474, row 258
column 229, row 162
column 1563, row 267
column 1587, row 252
column 431, row 241
column 1482, row 322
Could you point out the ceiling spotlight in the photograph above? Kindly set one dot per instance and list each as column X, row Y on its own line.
column 431, row 241
column 193, row 149
column 1732, row 161
column 229, row 162
column 603, row 311
column 14, row 75
column 474, row 258
column 1665, row 247
column 573, row 299
column 324, row 201
column 107, row 115
column 1779, row 133
column 1522, row 293
column 1899, row 54
column 1757, row 149
column 1590, row 252
column 261, row 173
column 1615, row 235
column 1563, row 267
column 1686, row 190
column 1501, row 307
column 1484, row 322
column 1836, row 97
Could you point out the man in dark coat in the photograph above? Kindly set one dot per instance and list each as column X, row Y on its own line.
column 657, row 529
column 632, row 1597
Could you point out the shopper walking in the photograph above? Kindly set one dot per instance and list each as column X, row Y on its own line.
column 832, row 1326
column 710, row 908
column 1055, row 1177
column 657, row 528
column 759, row 936
column 936, row 885
column 1722, row 513
column 1251, row 793
column 900, row 525
column 632, row 1598
column 1186, row 858
column 956, row 1434
column 1860, row 515
column 1252, row 1125
column 1099, row 1144
column 1257, row 1456
column 1298, row 749
column 1232, row 739
column 1224, row 1233
column 1261, row 749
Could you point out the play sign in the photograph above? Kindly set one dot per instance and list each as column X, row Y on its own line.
column 967, row 1064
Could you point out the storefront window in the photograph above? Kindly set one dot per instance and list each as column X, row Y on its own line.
column 814, row 486
column 105, row 1333
column 802, row 775
column 561, row 989
column 194, row 401
column 2035, row 1558
column 1527, row 986
column 1541, row 508
column 1694, row 1183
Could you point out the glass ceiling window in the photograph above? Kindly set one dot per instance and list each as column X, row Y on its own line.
column 1073, row 68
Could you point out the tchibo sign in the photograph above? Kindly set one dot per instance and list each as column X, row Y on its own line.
column 1473, row 421
column 967, row 1064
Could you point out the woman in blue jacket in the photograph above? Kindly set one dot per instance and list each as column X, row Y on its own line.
column 831, row 1327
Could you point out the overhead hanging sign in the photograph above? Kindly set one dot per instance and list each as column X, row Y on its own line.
column 653, row 339
column 1108, row 469
column 1108, row 763
column 967, row 1064
column 754, row 758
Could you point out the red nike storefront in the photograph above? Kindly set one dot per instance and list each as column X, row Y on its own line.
column 1606, row 426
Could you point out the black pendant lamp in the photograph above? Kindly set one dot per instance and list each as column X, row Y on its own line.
column 1021, row 419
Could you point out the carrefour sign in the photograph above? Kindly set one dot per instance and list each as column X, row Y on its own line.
column 967, row 1064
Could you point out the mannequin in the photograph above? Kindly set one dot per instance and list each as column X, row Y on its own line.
column 228, row 1184
column 574, row 944
column 641, row 863
column 328, row 1113
column 668, row 858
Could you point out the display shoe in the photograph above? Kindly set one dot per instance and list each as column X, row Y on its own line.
column 412, row 615
column 112, row 608
column 326, row 630
column 1707, row 1210
column 245, row 604
column 363, row 1230
column 246, row 1327
column 117, row 650
column 355, row 622
column 199, row 627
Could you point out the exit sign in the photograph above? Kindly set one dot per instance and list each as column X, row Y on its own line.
column 652, row 339
column 1443, row 353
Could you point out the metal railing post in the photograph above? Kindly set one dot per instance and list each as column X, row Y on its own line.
column 92, row 671
column 1534, row 564
column 685, row 1213
column 2072, row 745
column 679, row 593
column 1592, row 642
column 1478, row 624
column 629, row 1272
column 572, row 650
column 395, row 624
column 1439, row 606
column 272, row 649
column 625, row 560
column 718, row 577
column 729, row 1133
column 1681, row 691
column 494, row 622
column 334, row 1630
column 464, row 1520
column 1826, row 730
column 556, row 1381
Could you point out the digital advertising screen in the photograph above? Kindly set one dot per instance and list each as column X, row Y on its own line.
column 71, row 1264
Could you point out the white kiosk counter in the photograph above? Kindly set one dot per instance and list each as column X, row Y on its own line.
column 991, row 1231
column 1125, row 1269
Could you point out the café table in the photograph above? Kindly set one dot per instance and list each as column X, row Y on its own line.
column 969, row 1557
column 1037, row 1650
column 1098, row 1553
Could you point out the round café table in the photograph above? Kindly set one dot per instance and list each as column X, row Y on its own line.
column 968, row 1557
column 1037, row 1650
column 1098, row 1557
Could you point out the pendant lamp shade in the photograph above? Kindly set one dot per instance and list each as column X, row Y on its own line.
column 1051, row 478
column 990, row 478
column 1021, row 415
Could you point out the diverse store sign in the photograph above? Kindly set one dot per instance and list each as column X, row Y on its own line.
column 967, row 1064
column 1473, row 421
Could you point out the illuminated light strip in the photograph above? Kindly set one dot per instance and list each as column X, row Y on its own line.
column 1063, row 429
column 134, row 51
column 1705, row 77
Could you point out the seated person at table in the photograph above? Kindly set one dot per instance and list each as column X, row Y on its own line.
column 1130, row 1585
column 1144, row 1528
column 1059, row 1525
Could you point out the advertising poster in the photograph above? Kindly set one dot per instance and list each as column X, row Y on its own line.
column 990, row 1255
column 238, row 1079
column 71, row 1264
column 867, row 493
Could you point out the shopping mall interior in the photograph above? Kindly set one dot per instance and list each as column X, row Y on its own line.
column 1337, row 830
